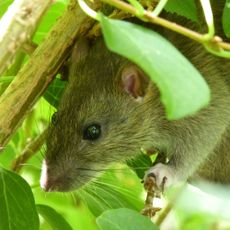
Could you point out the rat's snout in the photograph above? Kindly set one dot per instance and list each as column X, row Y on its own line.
column 50, row 183
column 45, row 182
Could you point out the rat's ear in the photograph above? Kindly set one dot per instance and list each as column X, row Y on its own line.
column 80, row 50
column 134, row 81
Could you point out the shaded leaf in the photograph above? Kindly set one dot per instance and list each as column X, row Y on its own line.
column 186, row 8
column 17, row 207
column 56, row 221
column 226, row 18
column 140, row 164
column 54, row 92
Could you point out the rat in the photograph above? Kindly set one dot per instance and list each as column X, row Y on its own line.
column 110, row 109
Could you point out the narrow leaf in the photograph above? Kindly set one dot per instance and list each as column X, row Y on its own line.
column 226, row 18
column 183, row 89
column 54, row 92
column 140, row 164
column 17, row 207
column 56, row 221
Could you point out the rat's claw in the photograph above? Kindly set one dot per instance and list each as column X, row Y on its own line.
column 162, row 177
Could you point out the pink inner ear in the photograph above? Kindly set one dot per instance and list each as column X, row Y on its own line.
column 133, row 81
column 129, row 84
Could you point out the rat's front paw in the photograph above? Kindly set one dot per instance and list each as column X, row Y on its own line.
column 162, row 177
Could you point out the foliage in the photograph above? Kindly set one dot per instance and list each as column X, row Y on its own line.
column 108, row 202
column 147, row 52
column 124, row 219
column 17, row 203
column 226, row 18
column 186, row 8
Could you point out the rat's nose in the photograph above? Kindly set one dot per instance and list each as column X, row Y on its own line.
column 50, row 183
column 46, row 183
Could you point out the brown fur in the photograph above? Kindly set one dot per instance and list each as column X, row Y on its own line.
column 197, row 145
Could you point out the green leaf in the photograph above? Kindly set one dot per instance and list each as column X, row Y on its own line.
column 226, row 18
column 49, row 19
column 140, row 164
column 8, row 155
column 56, row 221
column 4, row 82
column 55, row 91
column 4, row 4
column 112, row 190
column 186, row 8
column 17, row 207
column 183, row 89
column 124, row 219
column 6, row 79
column 198, row 221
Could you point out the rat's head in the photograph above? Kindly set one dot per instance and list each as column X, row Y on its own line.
column 98, row 122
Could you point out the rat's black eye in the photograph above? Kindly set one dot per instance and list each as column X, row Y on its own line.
column 54, row 119
column 92, row 132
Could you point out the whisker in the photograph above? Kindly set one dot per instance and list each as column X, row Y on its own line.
column 93, row 196
column 111, row 169
column 125, row 191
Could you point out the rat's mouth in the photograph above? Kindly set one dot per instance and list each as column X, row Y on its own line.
column 57, row 181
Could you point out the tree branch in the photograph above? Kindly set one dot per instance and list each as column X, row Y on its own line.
column 17, row 25
column 35, row 76
column 212, row 44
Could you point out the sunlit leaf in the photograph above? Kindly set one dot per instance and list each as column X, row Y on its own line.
column 4, row 82
column 114, row 189
column 124, row 219
column 49, row 19
column 4, row 4
column 183, row 89
column 198, row 221
column 194, row 200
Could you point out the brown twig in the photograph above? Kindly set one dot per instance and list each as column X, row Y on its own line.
column 29, row 151
column 95, row 31
column 35, row 76
column 148, row 16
